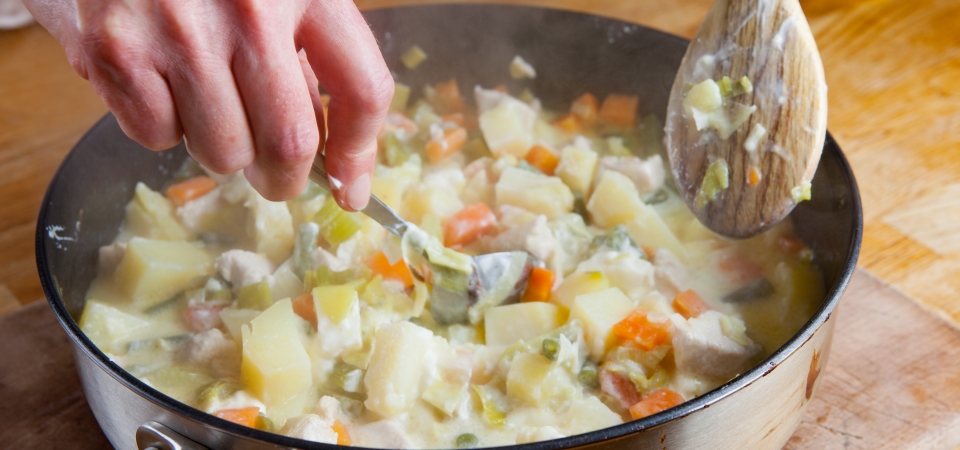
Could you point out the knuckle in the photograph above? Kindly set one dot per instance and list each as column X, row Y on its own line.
column 220, row 160
column 292, row 147
column 373, row 95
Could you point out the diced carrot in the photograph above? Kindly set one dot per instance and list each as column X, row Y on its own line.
column 753, row 176
column 191, row 189
column 620, row 110
column 568, row 123
column 645, row 333
column 542, row 158
column 658, row 400
column 468, row 224
column 739, row 269
column 380, row 265
column 243, row 416
column 618, row 386
column 304, row 307
column 790, row 244
column 452, row 142
column 539, row 285
column 203, row 317
column 343, row 438
column 689, row 304
column 585, row 108
column 447, row 97
column 456, row 118
column 650, row 251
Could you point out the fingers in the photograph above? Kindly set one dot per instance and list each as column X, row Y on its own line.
column 344, row 55
column 281, row 114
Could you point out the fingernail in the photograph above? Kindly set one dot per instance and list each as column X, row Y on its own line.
column 358, row 194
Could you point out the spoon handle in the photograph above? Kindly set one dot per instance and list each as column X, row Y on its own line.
column 375, row 209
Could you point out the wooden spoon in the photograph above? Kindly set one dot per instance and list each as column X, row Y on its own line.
column 769, row 42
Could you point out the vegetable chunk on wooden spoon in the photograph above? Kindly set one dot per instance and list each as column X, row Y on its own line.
column 747, row 116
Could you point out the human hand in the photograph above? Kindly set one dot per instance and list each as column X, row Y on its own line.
column 238, row 80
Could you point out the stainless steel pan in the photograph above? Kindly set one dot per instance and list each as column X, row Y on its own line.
column 573, row 53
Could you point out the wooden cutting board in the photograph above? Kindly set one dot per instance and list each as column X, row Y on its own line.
column 892, row 382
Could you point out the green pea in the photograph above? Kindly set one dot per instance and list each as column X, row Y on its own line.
column 550, row 348
column 588, row 375
column 468, row 440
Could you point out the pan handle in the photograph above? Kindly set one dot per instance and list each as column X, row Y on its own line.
column 155, row 436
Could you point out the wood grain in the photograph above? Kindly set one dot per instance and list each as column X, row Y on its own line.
column 770, row 43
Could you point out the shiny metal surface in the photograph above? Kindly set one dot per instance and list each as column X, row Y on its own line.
column 155, row 436
column 758, row 409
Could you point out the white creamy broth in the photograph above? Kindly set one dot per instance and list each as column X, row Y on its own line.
column 300, row 319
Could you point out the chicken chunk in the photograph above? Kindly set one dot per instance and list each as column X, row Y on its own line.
column 647, row 175
column 211, row 348
column 382, row 434
column 670, row 274
column 702, row 348
column 241, row 267
column 310, row 427
column 534, row 237
column 110, row 256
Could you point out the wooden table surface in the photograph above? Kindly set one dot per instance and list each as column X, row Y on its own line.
column 893, row 71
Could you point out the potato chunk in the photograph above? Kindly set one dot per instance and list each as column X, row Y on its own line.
column 275, row 367
column 151, row 215
column 151, row 271
column 505, row 325
column 536, row 381
column 536, row 193
column 578, row 283
column 272, row 226
column 577, row 164
column 508, row 128
column 599, row 312
column 108, row 327
column 395, row 371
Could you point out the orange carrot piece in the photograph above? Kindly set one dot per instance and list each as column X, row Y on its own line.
column 456, row 118
column 468, row 224
column 452, row 142
column 658, row 400
column 585, row 108
column 739, row 269
column 620, row 110
column 447, row 97
column 754, row 176
column 191, row 189
column 539, row 285
column 568, row 123
column 304, row 307
column 242, row 416
column 380, row 265
column 343, row 438
column 543, row 159
column 689, row 304
column 639, row 329
column 790, row 244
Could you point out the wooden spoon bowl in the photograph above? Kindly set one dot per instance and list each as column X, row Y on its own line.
column 769, row 42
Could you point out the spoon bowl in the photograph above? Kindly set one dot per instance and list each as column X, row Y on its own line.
column 763, row 166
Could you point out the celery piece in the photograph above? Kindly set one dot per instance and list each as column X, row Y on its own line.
column 451, row 259
column 491, row 411
column 216, row 392
column 730, row 88
column 348, row 378
column 801, row 193
column 401, row 95
column 164, row 305
column 468, row 440
column 645, row 384
column 336, row 225
column 735, row 329
column 726, row 87
column 264, row 423
column 395, row 152
column 304, row 246
column 618, row 239
column 324, row 276
column 617, row 147
column 715, row 180
column 413, row 57
column 255, row 296
column 588, row 375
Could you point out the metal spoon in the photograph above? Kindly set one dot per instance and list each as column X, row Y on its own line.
column 768, row 41
column 497, row 278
